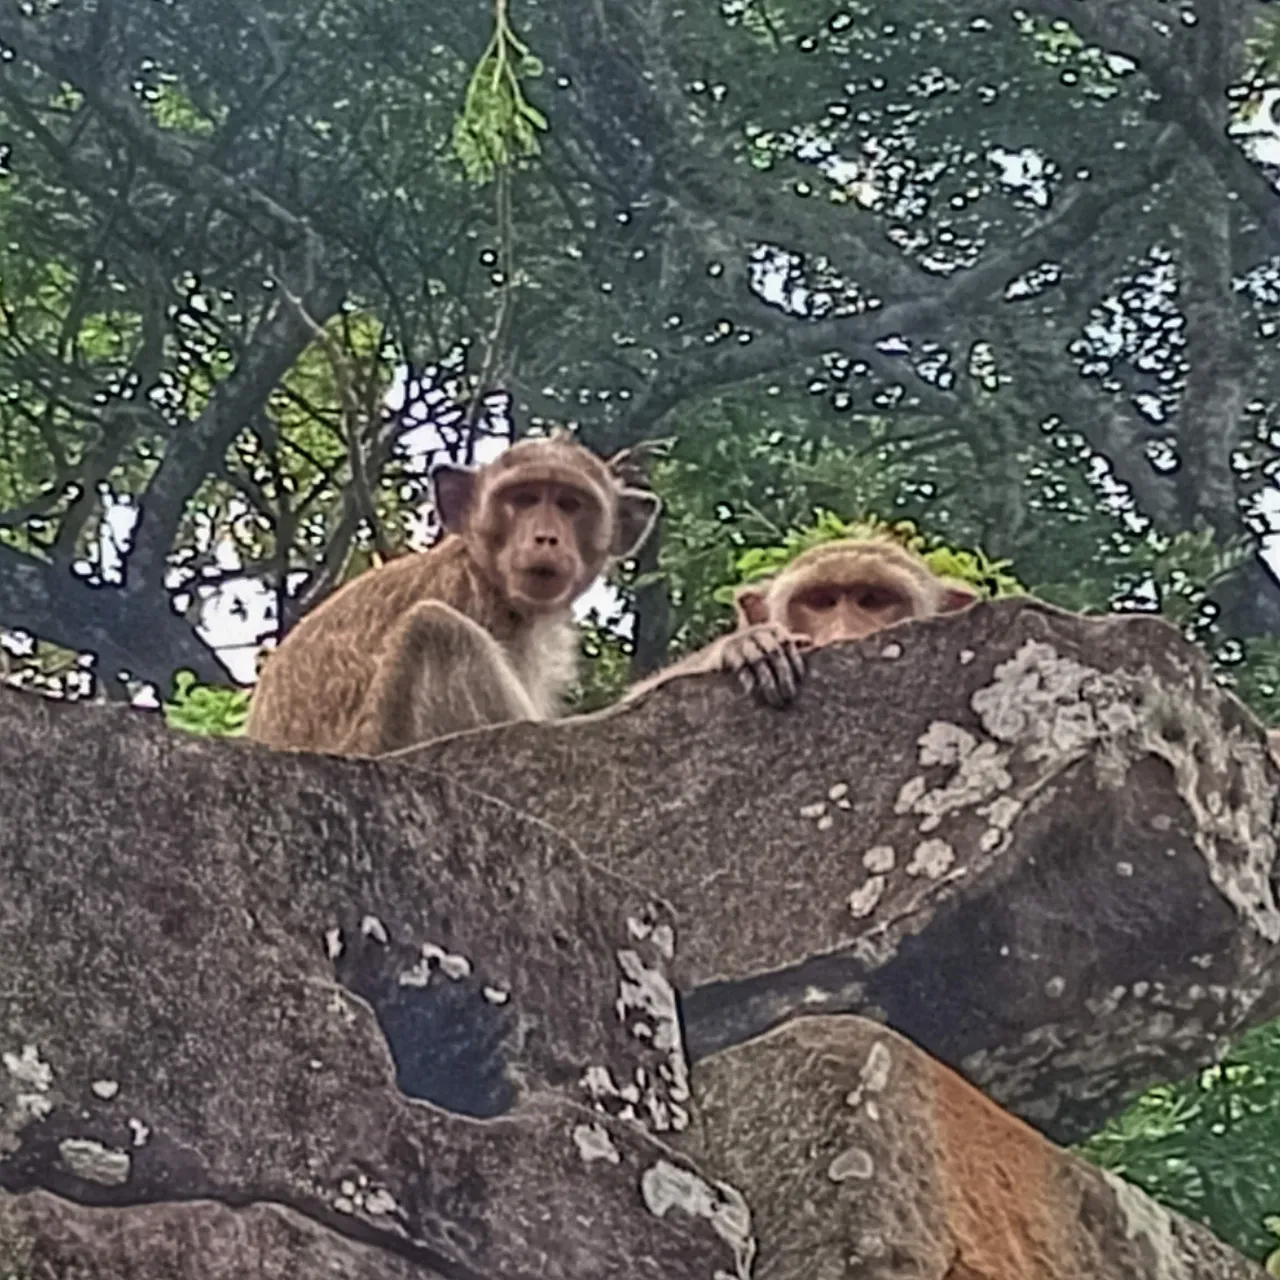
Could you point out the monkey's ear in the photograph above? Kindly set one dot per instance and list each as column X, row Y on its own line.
column 638, row 509
column 454, row 490
column 956, row 595
column 753, row 606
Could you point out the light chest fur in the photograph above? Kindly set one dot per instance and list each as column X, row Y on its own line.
column 544, row 656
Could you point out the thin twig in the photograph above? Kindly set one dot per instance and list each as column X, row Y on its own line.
column 353, row 413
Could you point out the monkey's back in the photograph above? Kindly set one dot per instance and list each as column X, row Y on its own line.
column 311, row 688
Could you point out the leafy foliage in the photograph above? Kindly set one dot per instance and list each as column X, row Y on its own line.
column 971, row 566
column 498, row 123
column 1209, row 1147
column 210, row 710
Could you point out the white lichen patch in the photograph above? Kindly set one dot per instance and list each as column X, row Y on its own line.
column 333, row 943
column 646, row 997
column 891, row 651
column 141, row 1133
column 663, row 935
column 28, row 1107
column 944, row 743
column 453, row 966
column 854, row 1163
column 838, row 791
column 932, row 858
column 910, row 794
column 358, row 1195
column 379, row 1203
column 94, row 1162
column 665, row 1186
column 594, row 1143
column 880, row 859
column 815, row 810
column 496, row 995
column 1042, row 712
column 599, row 1083
column 639, row 929
column 864, row 900
column 417, row 975
column 873, row 1076
column 28, row 1068
column 966, row 657
column 826, row 822
column 105, row 1089
column 373, row 928
column 877, row 1068
column 24, row 1095
column 664, row 938
column 1002, row 812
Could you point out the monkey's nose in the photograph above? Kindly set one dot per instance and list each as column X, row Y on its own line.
column 546, row 539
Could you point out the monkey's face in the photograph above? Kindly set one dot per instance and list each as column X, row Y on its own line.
column 849, row 590
column 828, row 608
column 545, row 542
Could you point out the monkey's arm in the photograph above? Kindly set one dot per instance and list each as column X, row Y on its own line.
column 440, row 673
column 766, row 658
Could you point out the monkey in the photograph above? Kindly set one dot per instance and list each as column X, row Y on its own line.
column 846, row 589
column 475, row 631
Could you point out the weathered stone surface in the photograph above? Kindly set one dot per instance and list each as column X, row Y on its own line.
column 43, row 1237
column 1042, row 846
column 861, row 1156
column 172, row 1025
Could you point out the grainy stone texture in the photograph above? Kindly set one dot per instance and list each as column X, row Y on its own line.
column 279, row 1014
column 173, row 1024
column 1042, row 846
column 862, row 1157
column 43, row 1237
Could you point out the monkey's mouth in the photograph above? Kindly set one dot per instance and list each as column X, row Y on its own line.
column 543, row 581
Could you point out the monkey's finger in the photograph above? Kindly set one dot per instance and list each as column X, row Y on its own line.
column 738, row 659
column 751, row 657
column 746, row 680
column 768, row 688
column 784, row 676
column 794, row 656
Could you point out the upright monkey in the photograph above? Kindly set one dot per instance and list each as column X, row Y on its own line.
column 476, row 631
column 842, row 590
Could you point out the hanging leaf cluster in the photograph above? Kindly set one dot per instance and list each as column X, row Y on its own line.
column 498, row 124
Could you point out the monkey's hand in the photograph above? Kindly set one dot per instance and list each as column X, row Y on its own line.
column 768, row 661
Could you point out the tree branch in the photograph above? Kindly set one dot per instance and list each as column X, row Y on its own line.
column 143, row 637
column 197, row 450
column 1069, row 225
column 161, row 150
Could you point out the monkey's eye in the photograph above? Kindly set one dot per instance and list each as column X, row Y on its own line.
column 875, row 599
column 524, row 499
column 821, row 601
column 569, row 504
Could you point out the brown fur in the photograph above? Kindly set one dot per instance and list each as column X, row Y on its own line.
column 843, row 590
column 476, row 631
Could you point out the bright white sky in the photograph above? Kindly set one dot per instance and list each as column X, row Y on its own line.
column 236, row 638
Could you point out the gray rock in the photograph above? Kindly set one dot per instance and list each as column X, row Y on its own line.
column 43, row 1237
column 173, row 1024
column 1041, row 845
column 862, row 1156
